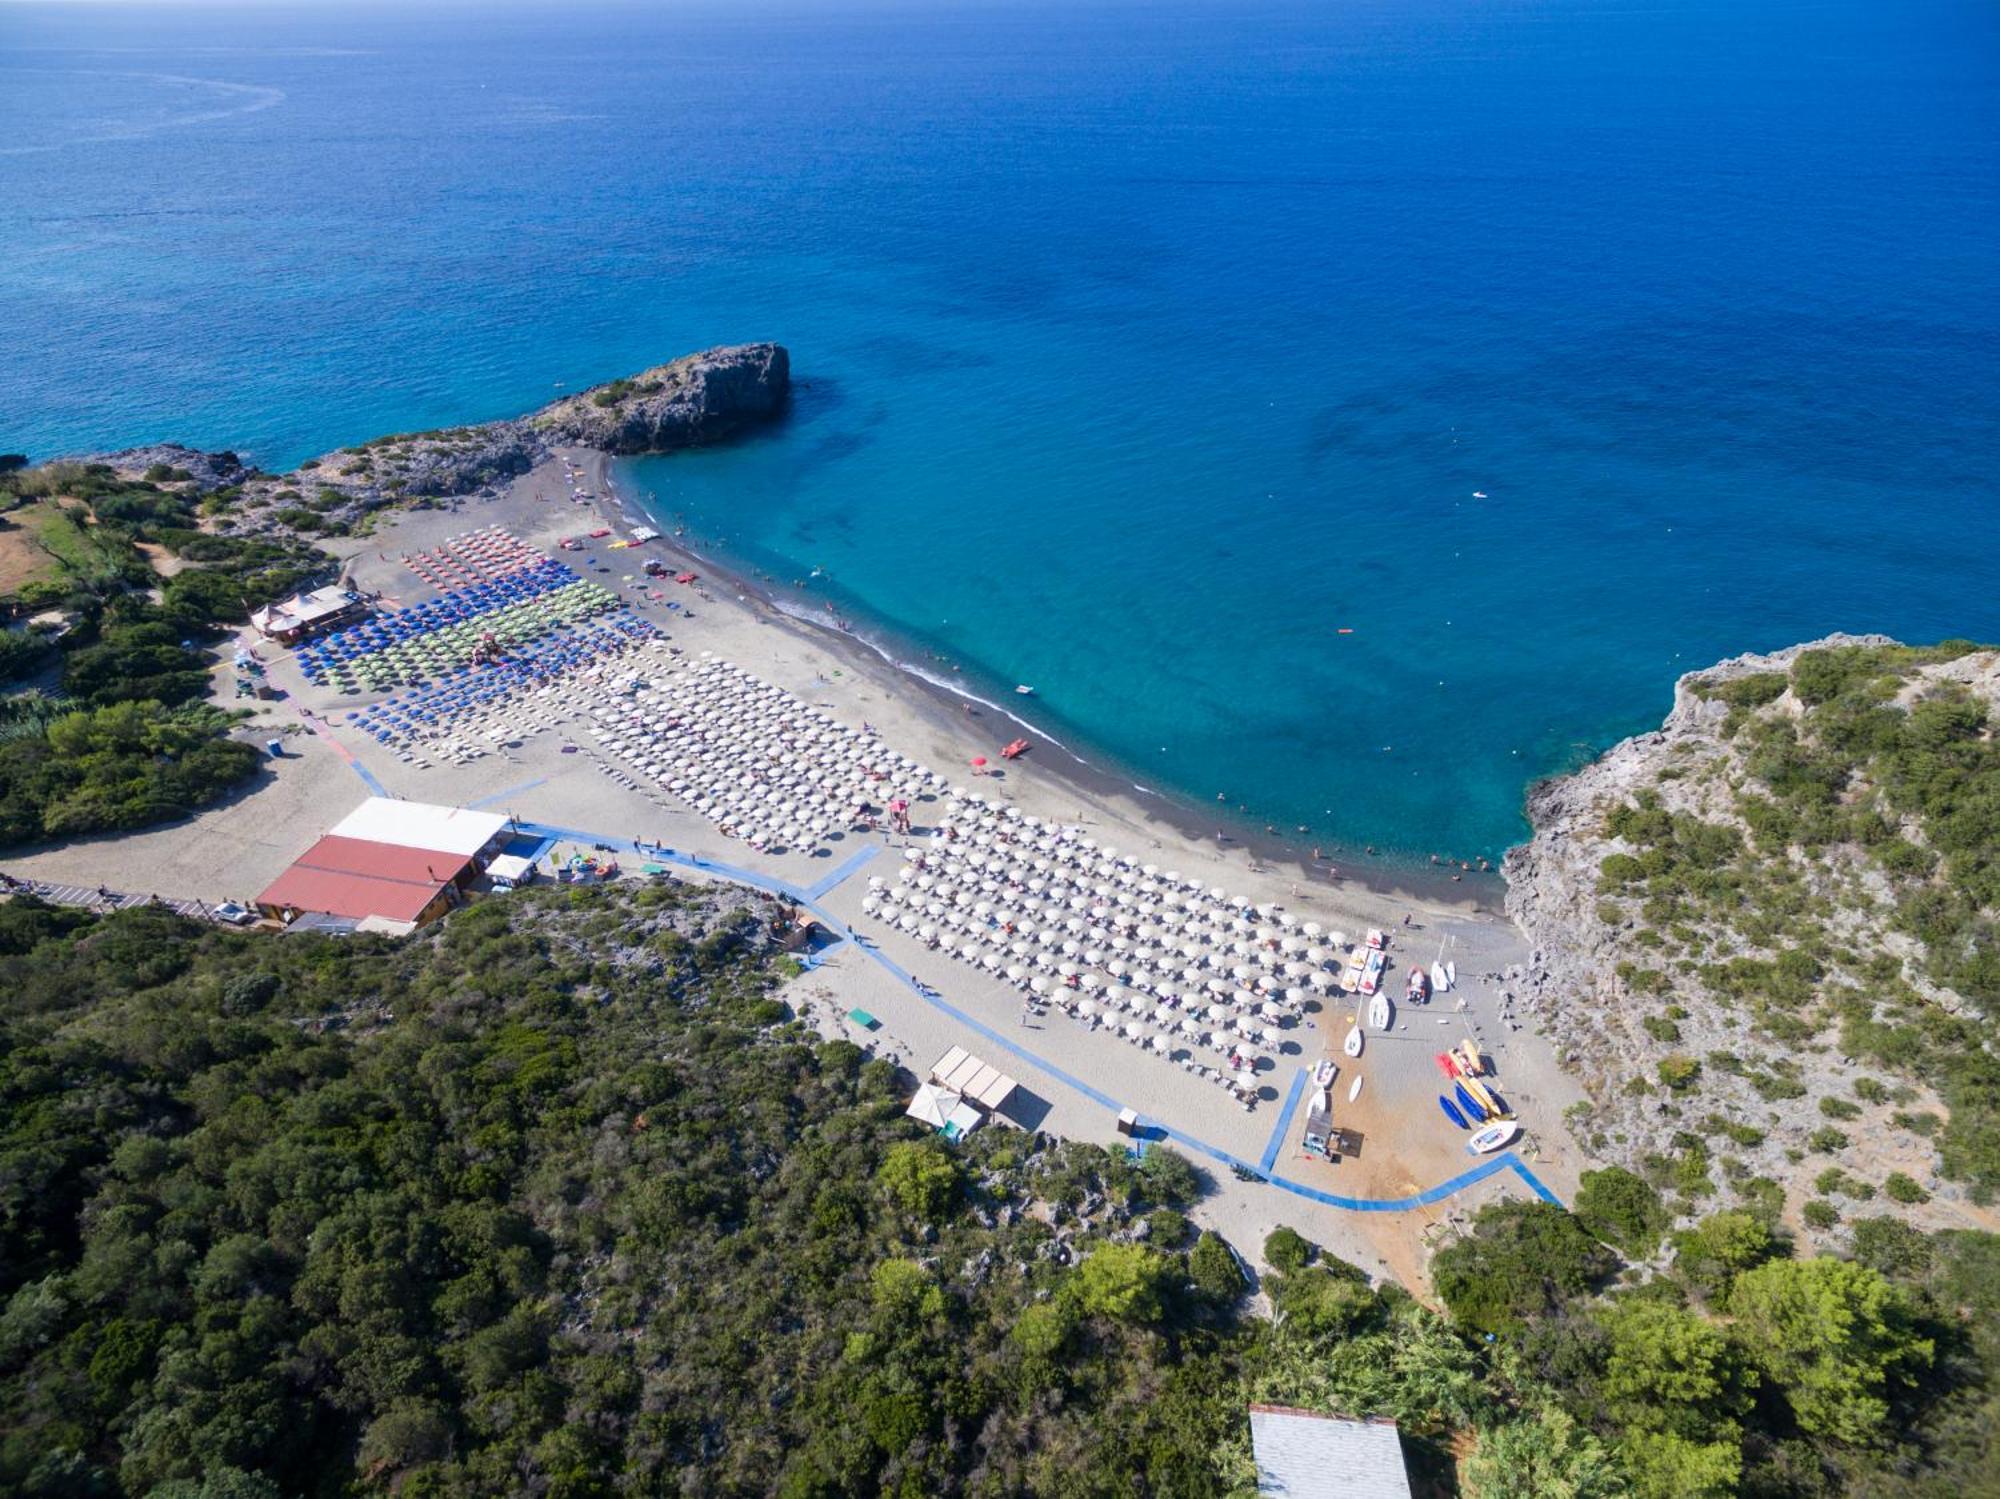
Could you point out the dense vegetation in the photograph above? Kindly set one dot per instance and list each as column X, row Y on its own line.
column 121, row 741
column 557, row 1199
column 1830, row 875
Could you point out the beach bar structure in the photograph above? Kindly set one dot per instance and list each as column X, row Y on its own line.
column 307, row 614
column 1306, row 1455
column 392, row 864
column 977, row 1082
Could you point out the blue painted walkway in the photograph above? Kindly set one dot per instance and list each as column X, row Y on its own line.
column 1154, row 1128
column 833, row 881
column 1277, row 1143
column 510, row 792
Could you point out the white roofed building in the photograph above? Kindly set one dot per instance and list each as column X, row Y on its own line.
column 445, row 830
column 1305, row 1455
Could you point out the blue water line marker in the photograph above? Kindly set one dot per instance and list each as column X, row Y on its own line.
column 1270, row 1156
column 1503, row 1162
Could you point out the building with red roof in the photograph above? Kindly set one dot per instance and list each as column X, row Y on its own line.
column 406, row 867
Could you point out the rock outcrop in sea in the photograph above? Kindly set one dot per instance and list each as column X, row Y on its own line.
column 698, row 399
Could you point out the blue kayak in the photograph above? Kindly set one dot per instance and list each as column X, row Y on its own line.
column 1468, row 1103
column 1451, row 1112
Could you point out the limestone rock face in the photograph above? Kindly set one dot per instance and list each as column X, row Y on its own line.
column 1618, row 988
column 701, row 398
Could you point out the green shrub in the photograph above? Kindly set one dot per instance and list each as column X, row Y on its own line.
column 1679, row 1072
column 1287, row 1251
column 1905, row 1188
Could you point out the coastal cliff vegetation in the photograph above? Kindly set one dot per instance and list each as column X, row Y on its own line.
column 1771, row 934
column 114, row 594
column 557, row 1198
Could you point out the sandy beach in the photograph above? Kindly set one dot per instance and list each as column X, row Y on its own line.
column 559, row 779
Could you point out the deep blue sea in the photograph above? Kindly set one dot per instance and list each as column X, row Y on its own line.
column 1146, row 349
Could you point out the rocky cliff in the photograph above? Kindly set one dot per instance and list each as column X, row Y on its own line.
column 703, row 398
column 1764, row 935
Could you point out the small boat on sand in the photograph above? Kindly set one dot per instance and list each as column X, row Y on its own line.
column 1371, row 972
column 1440, row 980
column 1354, row 1091
column 1417, row 988
column 1319, row 1103
column 1324, row 1073
column 1493, row 1137
column 1468, row 1103
column 1451, row 1112
column 1379, row 1014
column 1352, row 1045
column 1468, row 1058
column 1376, row 939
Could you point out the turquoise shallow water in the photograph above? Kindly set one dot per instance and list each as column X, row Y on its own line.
column 1144, row 349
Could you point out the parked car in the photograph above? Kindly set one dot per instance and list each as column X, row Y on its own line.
column 235, row 914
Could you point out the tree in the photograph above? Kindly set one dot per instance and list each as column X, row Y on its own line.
column 1621, row 1209
column 1544, row 1455
column 1123, row 1282
column 1215, row 1271
column 1664, row 1465
column 1835, row 1337
column 1677, row 1385
column 1520, row 1259
column 1670, row 1369
column 1168, row 1177
column 1712, row 1253
column 904, row 1290
column 920, row 1178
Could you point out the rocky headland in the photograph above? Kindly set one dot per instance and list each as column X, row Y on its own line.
column 1763, row 936
column 701, row 398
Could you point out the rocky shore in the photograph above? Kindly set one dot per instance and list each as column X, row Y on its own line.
column 1670, row 1014
column 701, row 398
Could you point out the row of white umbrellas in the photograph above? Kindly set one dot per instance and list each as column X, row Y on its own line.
column 754, row 759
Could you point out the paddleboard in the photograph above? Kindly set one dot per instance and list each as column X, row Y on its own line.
column 1468, row 1103
column 1450, row 974
column 1352, row 1045
column 1451, row 1111
column 1355, row 1091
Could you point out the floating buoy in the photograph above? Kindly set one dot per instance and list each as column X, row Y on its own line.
column 1344, row 631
